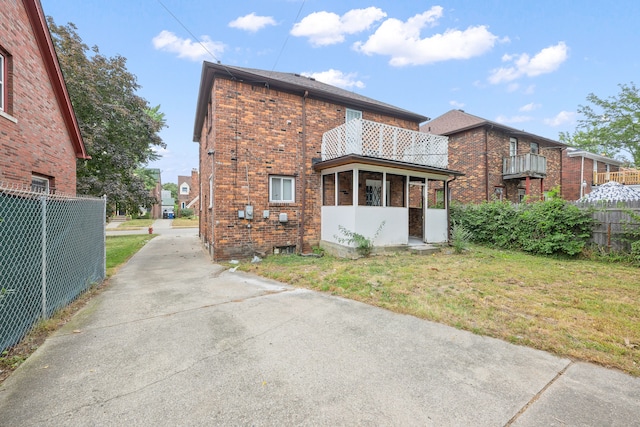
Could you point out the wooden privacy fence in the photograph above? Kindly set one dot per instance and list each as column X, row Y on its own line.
column 612, row 221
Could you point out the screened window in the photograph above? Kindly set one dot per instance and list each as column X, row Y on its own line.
column 282, row 189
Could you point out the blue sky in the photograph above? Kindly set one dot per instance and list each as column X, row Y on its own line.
column 528, row 65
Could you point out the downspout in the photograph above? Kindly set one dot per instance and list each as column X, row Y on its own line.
column 303, row 180
column 486, row 163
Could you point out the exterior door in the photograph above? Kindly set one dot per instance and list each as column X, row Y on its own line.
column 353, row 135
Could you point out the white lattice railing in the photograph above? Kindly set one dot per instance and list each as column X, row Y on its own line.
column 382, row 141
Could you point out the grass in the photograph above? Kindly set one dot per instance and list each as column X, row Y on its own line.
column 119, row 250
column 135, row 224
column 578, row 309
column 185, row 222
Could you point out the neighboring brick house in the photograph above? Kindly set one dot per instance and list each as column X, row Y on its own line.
column 498, row 162
column 188, row 192
column 286, row 160
column 39, row 135
column 582, row 171
column 156, row 192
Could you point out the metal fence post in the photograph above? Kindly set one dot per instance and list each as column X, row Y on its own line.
column 43, row 203
column 104, row 235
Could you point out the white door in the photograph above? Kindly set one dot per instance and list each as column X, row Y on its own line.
column 353, row 135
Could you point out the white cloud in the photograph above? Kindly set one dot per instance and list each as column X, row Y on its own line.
column 326, row 28
column 530, row 90
column 545, row 61
column 402, row 42
column 186, row 48
column 529, row 107
column 252, row 22
column 456, row 104
column 513, row 119
column 337, row 78
column 561, row 118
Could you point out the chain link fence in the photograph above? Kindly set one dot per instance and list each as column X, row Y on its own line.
column 52, row 248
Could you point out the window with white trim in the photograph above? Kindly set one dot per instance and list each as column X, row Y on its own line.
column 282, row 189
column 535, row 148
column 39, row 184
column 184, row 188
column 513, row 147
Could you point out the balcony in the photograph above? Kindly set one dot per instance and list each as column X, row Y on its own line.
column 524, row 165
column 372, row 139
column 631, row 177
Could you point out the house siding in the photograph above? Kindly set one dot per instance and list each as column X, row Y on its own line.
column 38, row 141
column 257, row 132
column 483, row 166
column 572, row 167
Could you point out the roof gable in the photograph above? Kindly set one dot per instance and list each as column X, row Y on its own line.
column 47, row 51
column 289, row 82
column 455, row 121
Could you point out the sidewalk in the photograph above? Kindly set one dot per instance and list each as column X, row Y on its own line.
column 177, row 340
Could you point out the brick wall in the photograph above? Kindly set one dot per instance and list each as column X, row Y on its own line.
column 257, row 132
column 34, row 138
column 467, row 154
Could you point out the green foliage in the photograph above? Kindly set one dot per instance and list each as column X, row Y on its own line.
column 552, row 227
column 632, row 235
column 119, row 128
column 460, row 237
column 364, row 245
column 186, row 212
column 610, row 126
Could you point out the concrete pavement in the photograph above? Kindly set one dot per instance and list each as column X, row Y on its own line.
column 177, row 340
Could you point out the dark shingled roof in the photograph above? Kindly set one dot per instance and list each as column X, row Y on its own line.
column 289, row 82
column 455, row 121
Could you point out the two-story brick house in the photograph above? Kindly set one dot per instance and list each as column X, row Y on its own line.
column 286, row 161
column 39, row 135
column 188, row 192
column 498, row 161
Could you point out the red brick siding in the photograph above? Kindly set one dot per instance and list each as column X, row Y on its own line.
column 39, row 142
column 257, row 132
column 467, row 154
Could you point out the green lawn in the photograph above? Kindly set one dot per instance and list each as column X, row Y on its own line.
column 574, row 308
column 185, row 222
column 121, row 248
column 135, row 224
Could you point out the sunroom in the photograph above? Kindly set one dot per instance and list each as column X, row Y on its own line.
column 385, row 183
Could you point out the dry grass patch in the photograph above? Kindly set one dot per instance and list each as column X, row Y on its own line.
column 574, row 308
column 185, row 222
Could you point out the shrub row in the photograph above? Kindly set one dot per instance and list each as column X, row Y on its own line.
column 552, row 227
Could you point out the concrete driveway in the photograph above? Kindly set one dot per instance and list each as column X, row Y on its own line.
column 177, row 340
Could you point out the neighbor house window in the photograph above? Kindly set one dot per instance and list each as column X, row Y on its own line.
column 282, row 189
column 535, row 148
column 513, row 147
column 39, row 184
column 184, row 189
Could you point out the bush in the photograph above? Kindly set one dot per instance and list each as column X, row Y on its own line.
column 186, row 212
column 552, row 227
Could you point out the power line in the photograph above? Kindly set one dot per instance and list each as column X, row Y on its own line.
column 287, row 38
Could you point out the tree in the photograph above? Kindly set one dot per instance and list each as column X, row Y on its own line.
column 119, row 128
column 610, row 126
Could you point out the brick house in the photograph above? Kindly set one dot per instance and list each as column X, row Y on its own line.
column 188, row 192
column 498, row 161
column 286, row 160
column 582, row 171
column 39, row 135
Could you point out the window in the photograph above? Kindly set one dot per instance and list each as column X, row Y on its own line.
column 513, row 147
column 353, row 114
column 2, row 82
column 282, row 189
column 184, row 189
column 39, row 184
column 183, row 205
column 535, row 148
column 595, row 166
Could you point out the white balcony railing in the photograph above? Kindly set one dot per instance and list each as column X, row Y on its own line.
column 373, row 139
